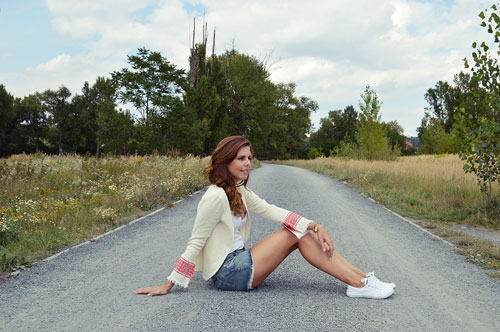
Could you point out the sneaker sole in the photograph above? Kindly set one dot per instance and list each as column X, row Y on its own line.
column 375, row 297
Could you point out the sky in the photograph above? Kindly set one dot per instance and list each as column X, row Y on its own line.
column 331, row 49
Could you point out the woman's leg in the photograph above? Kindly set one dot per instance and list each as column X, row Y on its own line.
column 271, row 251
column 346, row 262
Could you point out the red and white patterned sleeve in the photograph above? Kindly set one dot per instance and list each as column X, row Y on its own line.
column 182, row 273
column 289, row 220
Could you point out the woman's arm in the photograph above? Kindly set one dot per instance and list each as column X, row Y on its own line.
column 295, row 223
column 209, row 213
column 290, row 220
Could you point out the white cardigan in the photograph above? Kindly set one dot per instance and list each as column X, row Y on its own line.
column 213, row 231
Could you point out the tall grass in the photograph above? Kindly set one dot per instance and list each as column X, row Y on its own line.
column 432, row 187
column 49, row 201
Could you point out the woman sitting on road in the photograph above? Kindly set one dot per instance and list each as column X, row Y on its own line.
column 222, row 226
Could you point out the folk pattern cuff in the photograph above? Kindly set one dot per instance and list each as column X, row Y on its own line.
column 185, row 268
column 291, row 220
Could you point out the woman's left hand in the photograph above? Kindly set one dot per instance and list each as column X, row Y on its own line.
column 325, row 240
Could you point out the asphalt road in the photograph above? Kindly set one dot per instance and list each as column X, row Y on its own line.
column 89, row 288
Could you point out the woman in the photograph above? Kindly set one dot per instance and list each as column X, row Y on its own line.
column 222, row 226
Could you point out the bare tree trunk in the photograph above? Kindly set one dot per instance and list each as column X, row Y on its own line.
column 192, row 60
column 490, row 203
column 60, row 141
column 213, row 46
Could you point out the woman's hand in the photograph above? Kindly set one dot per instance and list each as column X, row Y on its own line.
column 156, row 290
column 325, row 240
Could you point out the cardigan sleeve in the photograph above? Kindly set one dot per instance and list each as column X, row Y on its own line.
column 209, row 213
column 289, row 220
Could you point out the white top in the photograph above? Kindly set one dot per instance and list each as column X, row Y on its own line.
column 238, row 222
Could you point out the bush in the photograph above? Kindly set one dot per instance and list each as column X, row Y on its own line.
column 346, row 150
column 313, row 153
column 436, row 140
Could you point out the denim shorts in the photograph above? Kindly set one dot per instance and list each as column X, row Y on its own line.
column 236, row 273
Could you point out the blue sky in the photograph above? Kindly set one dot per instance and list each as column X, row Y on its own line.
column 330, row 49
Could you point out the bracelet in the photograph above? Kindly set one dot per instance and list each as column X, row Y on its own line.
column 315, row 228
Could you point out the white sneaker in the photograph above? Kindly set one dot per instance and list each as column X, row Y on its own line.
column 372, row 275
column 371, row 290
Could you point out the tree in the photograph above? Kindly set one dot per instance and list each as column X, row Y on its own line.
column 206, row 96
column 290, row 120
column 249, row 97
column 33, row 122
column 155, row 87
column 442, row 102
column 57, row 105
column 481, row 131
column 445, row 99
column 436, row 140
column 85, row 107
column 233, row 95
column 372, row 140
column 424, row 123
column 339, row 126
column 115, row 128
column 116, row 131
column 481, row 150
column 153, row 84
column 395, row 134
column 8, row 123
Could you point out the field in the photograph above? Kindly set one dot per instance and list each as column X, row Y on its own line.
column 432, row 189
column 47, row 202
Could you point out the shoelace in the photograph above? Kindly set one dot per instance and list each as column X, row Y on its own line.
column 374, row 282
column 372, row 275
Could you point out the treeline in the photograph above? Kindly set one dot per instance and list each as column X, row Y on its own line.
column 359, row 135
column 179, row 112
column 440, row 130
column 176, row 112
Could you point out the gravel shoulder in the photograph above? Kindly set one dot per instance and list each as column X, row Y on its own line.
column 89, row 288
column 480, row 233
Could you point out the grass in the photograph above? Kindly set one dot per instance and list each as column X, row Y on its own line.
column 48, row 202
column 430, row 188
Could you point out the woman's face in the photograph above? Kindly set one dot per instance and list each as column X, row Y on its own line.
column 239, row 168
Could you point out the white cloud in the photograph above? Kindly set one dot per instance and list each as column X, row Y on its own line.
column 58, row 64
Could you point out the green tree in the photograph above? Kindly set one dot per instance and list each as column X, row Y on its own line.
column 206, row 97
column 372, row 140
column 290, row 120
column 84, row 125
column 154, row 87
column 116, row 132
column 436, row 140
column 249, row 96
column 33, row 122
column 481, row 131
column 395, row 134
column 8, row 122
column 57, row 104
column 445, row 99
column 442, row 101
column 339, row 126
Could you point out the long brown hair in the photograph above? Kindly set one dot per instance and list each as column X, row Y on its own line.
column 219, row 174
